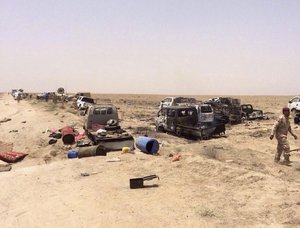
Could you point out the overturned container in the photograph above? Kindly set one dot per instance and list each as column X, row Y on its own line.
column 90, row 151
column 147, row 145
column 68, row 135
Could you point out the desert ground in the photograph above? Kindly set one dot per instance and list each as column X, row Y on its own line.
column 227, row 181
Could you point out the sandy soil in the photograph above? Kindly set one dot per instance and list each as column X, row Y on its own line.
column 226, row 181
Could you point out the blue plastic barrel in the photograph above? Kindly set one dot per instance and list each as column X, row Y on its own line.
column 72, row 154
column 147, row 145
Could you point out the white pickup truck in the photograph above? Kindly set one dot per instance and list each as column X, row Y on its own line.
column 83, row 102
column 294, row 104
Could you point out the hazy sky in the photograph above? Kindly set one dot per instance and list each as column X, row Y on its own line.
column 151, row 46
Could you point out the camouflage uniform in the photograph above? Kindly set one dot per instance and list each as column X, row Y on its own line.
column 280, row 130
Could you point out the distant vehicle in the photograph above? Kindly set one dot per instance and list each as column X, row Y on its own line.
column 183, row 121
column 294, row 104
column 174, row 101
column 83, row 94
column 83, row 102
column 18, row 94
column 249, row 113
column 41, row 96
column 13, row 91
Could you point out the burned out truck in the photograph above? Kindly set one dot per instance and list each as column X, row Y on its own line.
column 226, row 109
column 102, row 127
column 184, row 121
column 249, row 113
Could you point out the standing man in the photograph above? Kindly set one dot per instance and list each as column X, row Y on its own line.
column 280, row 130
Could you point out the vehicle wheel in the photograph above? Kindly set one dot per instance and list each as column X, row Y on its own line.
column 160, row 129
column 178, row 131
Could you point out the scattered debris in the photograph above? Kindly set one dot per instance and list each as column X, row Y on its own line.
column 98, row 150
column 5, row 167
column 13, row 131
column 52, row 141
column 72, row 154
column 11, row 156
column 139, row 182
column 55, row 135
column 177, row 157
column 86, row 174
column 229, row 161
column 68, row 135
column 83, row 143
column 116, row 159
column 5, row 120
column 126, row 150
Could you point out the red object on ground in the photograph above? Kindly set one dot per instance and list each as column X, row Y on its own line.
column 68, row 135
column 96, row 127
column 80, row 136
column 12, row 156
column 177, row 157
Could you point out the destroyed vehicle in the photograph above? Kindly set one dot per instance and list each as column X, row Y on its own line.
column 100, row 114
column 174, row 101
column 226, row 108
column 221, row 112
column 251, row 114
column 205, row 113
column 102, row 127
column 182, row 121
column 42, row 96
column 83, row 102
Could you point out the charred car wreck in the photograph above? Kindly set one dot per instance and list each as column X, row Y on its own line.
column 184, row 121
column 226, row 109
column 249, row 113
